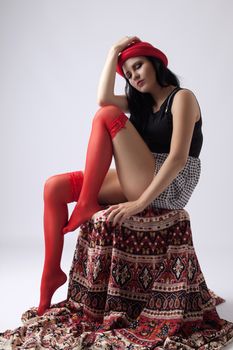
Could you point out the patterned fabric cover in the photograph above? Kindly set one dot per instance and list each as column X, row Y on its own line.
column 178, row 193
column 134, row 286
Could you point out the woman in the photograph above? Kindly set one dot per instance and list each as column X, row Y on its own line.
column 162, row 137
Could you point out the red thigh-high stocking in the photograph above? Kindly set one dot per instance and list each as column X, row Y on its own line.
column 58, row 191
column 106, row 123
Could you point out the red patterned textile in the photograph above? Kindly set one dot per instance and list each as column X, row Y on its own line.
column 134, row 286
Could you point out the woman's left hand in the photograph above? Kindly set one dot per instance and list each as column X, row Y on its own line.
column 119, row 212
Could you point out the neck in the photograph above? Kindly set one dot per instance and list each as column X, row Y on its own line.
column 160, row 93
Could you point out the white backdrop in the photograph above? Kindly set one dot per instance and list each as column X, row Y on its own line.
column 51, row 56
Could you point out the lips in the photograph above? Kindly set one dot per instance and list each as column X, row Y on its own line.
column 140, row 83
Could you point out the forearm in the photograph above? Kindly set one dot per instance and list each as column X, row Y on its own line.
column 107, row 78
column 166, row 174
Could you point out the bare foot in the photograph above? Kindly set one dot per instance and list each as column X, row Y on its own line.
column 48, row 286
column 79, row 215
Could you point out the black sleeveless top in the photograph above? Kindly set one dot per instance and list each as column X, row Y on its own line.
column 157, row 132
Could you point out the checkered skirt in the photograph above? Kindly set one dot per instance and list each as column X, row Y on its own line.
column 178, row 193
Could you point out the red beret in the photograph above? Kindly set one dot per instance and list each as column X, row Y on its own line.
column 140, row 48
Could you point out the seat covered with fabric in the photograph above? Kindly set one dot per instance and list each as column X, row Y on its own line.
column 133, row 286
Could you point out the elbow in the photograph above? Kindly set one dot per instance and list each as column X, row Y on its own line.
column 101, row 102
column 103, row 98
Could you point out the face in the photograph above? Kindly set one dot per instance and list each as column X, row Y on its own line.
column 140, row 73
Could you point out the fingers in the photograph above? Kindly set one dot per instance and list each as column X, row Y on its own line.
column 123, row 217
column 126, row 41
column 109, row 209
column 119, row 218
column 67, row 229
column 116, row 215
column 133, row 38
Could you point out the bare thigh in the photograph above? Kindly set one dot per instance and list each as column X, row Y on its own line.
column 111, row 191
column 135, row 164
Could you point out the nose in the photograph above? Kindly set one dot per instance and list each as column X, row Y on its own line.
column 136, row 76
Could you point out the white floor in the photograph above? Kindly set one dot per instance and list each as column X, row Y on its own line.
column 21, row 271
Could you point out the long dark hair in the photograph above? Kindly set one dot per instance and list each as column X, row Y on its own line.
column 141, row 104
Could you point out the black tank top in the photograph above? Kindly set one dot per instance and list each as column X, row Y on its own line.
column 157, row 132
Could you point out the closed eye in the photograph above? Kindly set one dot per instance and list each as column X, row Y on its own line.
column 135, row 66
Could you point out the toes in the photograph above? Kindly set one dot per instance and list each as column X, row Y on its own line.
column 65, row 231
column 41, row 311
column 68, row 229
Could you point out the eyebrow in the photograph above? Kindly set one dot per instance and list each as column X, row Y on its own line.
column 133, row 65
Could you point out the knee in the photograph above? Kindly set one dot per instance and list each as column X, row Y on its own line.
column 108, row 112
column 51, row 187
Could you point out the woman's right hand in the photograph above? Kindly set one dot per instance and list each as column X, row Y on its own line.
column 124, row 42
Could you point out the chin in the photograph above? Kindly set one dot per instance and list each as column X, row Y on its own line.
column 143, row 90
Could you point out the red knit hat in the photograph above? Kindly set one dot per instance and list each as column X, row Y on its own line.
column 140, row 48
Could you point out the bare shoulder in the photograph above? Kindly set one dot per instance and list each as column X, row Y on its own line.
column 185, row 100
column 186, row 96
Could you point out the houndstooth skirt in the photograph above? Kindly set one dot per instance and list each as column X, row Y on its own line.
column 178, row 193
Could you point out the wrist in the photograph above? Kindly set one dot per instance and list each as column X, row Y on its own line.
column 141, row 204
column 114, row 50
column 145, row 199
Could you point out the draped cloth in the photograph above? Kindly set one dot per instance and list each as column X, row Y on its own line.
column 134, row 286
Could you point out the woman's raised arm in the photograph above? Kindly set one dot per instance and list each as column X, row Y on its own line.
column 105, row 95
